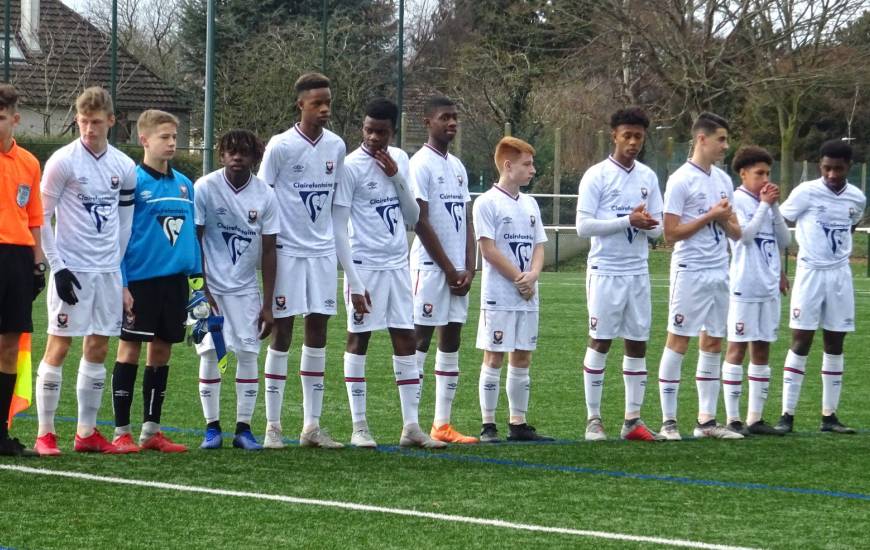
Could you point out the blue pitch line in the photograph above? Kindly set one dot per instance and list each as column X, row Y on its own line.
column 619, row 474
column 392, row 449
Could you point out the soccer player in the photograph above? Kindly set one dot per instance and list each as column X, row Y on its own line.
column 375, row 197
column 756, row 280
column 442, row 258
column 23, row 274
column 825, row 212
column 619, row 207
column 511, row 237
column 89, row 186
column 236, row 224
column 161, row 254
column 303, row 165
column 698, row 218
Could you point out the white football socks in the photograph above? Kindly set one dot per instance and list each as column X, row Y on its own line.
column 759, row 381
column 518, row 389
column 90, row 382
column 420, row 358
column 48, row 381
column 311, row 369
column 792, row 379
column 669, row 382
column 732, row 389
column 832, row 382
column 210, row 386
column 634, row 377
column 446, row 382
column 407, row 380
column 488, row 388
column 247, row 385
column 275, row 378
column 593, row 381
column 355, row 382
column 707, row 381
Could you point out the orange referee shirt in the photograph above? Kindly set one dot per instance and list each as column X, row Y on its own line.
column 20, row 201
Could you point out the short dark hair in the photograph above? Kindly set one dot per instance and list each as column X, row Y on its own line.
column 310, row 81
column 8, row 97
column 436, row 102
column 632, row 116
column 242, row 141
column 836, row 149
column 382, row 108
column 750, row 155
column 709, row 123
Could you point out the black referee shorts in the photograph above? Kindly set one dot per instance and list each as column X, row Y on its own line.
column 159, row 309
column 16, row 288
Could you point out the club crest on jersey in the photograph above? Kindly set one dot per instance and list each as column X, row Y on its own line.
column 593, row 323
column 358, row 318
column 522, row 252
column 457, row 211
column 532, row 220
column 852, row 212
column 171, row 227
column 182, row 189
column 739, row 328
column 252, row 216
column 330, row 166
column 723, row 195
column 427, row 310
column 644, row 192
column 99, row 213
column 389, row 213
column 497, row 336
column 796, row 313
column 116, row 182
column 62, row 320
column 314, row 202
column 678, row 320
column 236, row 244
column 281, row 303
column 460, row 179
column 23, row 195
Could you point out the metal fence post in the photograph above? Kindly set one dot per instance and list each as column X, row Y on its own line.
column 557, row 176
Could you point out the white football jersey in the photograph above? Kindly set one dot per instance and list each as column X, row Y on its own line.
column 377, row 227
column 304, row 174
column 441, row 181
column 89, row 189
column 514, row 223
column 823, row 221
column 608, row 191
column 235, row 221
column 690, row 193
column 755, row 267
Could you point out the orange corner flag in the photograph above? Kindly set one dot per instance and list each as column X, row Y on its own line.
column 23, row 394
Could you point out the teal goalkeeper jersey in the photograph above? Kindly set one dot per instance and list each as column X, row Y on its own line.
column 163, row 239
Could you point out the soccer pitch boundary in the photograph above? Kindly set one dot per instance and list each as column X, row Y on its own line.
column 576, row 470
column 369, row 508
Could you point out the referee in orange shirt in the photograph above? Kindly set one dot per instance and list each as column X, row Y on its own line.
column 22, row 276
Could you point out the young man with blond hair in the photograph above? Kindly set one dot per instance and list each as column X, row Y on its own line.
column 162, row 253
column 511, row 237
column 303, row 166
column 23, row 274
column 88, row 186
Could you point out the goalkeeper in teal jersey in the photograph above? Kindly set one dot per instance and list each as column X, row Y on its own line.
column 162, row 253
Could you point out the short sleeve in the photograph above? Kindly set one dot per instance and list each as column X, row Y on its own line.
column 34, row 204
column 858, row 213
column 744, row 209
column 675, row 197
column 345, row 187
column 795, row 204
column 55, row 176
column 273, row 157
column 465, row 193
column 588, row 193
column 540, row 232
column 199, row 202
column 271, row 224
column 484, row 222
column 419, row 179
column 654, row 202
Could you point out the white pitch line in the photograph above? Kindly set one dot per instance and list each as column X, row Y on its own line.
column 369, row 508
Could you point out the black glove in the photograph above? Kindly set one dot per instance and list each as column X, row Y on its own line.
column 38, row 284
column 63, row 282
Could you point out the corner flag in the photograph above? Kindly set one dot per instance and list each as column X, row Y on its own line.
column 23, row 394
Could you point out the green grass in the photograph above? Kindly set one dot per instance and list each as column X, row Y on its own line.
column 570, row 484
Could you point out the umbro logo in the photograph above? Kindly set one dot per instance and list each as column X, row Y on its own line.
column 298, row 168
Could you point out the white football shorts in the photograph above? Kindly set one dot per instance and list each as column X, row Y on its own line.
column 99, row 311
column 507, row 331
column 434, row 305
column 699, row 302
column 823, row 297
column 619, row 306
column 392, row 301
column 241, row 330
column 305, row 285
column 754, row 321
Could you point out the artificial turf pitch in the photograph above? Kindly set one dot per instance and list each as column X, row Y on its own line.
column 806, row 489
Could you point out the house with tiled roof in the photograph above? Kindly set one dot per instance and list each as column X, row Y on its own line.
column 56, row 53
